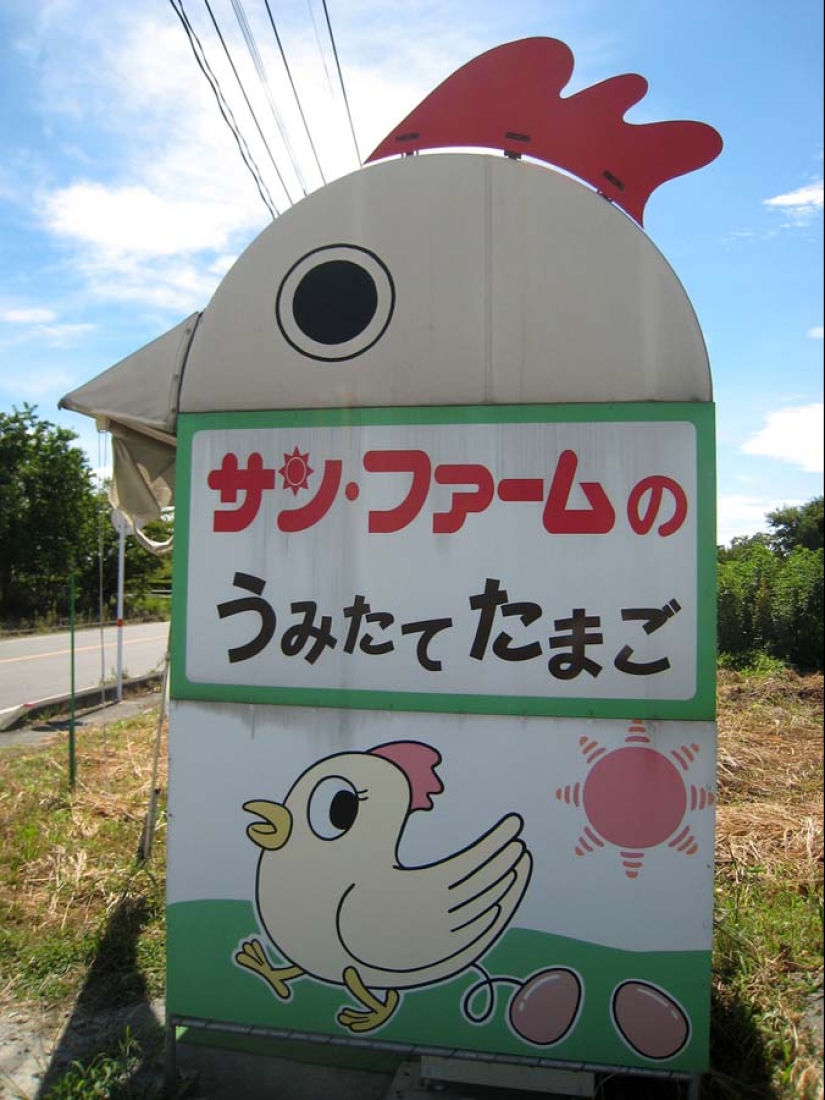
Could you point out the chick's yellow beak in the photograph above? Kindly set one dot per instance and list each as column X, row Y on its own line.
column 273, row 832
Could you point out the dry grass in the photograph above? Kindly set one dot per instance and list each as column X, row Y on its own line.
column 70, row 861
column 769, row 770
column 769, row 875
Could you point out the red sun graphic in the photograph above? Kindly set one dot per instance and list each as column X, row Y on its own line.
column 635, row 798
column 295, row 471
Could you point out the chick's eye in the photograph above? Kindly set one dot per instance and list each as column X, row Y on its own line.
column 335, row 302
column 333, row 807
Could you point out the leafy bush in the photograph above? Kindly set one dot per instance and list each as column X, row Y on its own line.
column 744, row 583
column 770, row 592
column 796, row 609
column 752, row 661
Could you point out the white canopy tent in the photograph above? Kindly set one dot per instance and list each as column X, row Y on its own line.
column 137, row 401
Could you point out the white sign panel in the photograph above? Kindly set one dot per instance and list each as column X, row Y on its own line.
column 531, row 559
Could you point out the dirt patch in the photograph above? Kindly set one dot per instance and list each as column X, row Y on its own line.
column 37, row 1047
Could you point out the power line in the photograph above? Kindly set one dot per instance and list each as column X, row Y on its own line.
column 320, row 47
column 259, row 68
column 295, row 91
column 341, row 81
column 246, row 98
column 223, row 106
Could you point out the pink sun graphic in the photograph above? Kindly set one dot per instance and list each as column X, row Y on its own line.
column 295, row 471
column 635, row 798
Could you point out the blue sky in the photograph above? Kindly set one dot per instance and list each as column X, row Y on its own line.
column 123, row 199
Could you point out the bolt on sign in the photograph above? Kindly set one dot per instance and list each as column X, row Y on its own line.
column 443, row 626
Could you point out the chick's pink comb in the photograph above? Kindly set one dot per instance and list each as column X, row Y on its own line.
column 509, row 98
column 418, row 762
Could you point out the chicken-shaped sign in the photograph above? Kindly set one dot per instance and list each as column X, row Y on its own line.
column 330, row 867
column 442, row 444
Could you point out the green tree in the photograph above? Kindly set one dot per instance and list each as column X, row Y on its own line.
column 47, row 510
column 745, row 577
column 797, row 609
column 796, row 526
column 143, row 572
column 770, row 590
column 54, row 521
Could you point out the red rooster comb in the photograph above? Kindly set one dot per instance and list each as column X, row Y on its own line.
column 510, row 98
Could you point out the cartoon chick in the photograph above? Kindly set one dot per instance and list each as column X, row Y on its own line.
column 338, row 904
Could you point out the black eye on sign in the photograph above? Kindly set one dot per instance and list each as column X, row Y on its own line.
column 335, row 302
column 332, row 807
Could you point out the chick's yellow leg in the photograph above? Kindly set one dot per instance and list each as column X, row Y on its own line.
column 375, row 1012
column 253, row 957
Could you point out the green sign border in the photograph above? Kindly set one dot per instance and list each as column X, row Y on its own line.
column 700, row 707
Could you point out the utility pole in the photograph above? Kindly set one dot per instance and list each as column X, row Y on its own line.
column 120, row 523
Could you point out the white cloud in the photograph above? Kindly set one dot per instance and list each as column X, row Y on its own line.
column 31, row 316
column 139, row 222
column 33, row 384
column 817, row 332
column 799, row 205
column 179, row 285
column 176, row 206
column 65, row 333
column 809, row 197
column 791, row 435
column 739, row 516
column 38, row 326
column 168, row 190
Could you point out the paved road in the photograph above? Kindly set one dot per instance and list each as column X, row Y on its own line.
column 38, row 666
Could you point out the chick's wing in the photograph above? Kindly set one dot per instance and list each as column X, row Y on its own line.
column 437, row 918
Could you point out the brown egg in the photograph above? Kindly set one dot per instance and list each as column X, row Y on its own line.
column 649, row 1020
column 545, row 1008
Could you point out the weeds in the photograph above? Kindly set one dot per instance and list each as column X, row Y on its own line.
column 69, row 862
column 753, row 661
column 106, row 1077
